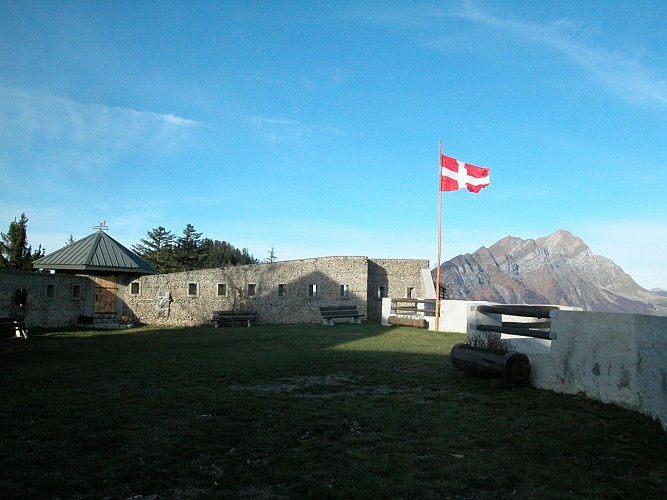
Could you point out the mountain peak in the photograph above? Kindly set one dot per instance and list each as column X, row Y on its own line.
column 555, row 269
column 562, row 242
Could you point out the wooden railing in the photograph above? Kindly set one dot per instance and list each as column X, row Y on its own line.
column 537, row 329
column 410, row 307
column 407, row 312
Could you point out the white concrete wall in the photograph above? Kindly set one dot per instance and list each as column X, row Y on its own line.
column 611, row 357
column 453, row 314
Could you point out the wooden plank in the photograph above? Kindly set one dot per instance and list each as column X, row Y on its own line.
column 532, row 324
column 413, row 322
column 524, row 332
column 518, row 310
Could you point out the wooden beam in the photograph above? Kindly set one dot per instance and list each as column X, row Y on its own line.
column 413, row 322
column 518, row 310
column 511, row 366
column 525, row 332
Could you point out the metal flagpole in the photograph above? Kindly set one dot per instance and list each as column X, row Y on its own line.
column 437, row 272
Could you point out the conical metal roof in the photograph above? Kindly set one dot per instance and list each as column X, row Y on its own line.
column 96, row 252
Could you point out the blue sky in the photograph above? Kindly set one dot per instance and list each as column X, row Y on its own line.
column 313, row 127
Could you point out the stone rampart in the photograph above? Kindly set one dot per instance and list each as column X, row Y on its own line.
column 44, row 300
column 280, row 292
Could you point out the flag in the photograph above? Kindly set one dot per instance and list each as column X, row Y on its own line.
column 455, row 175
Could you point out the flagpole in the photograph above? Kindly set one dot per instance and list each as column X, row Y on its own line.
column 437, row 272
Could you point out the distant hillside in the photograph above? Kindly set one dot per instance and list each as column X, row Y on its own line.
column 557, row 269
column 659, row 291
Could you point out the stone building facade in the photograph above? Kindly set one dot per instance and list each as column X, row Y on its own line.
column 280, row 292
column 45, row 300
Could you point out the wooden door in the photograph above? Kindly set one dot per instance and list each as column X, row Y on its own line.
column 106, row 289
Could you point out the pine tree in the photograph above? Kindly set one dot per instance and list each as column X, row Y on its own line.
column 189, row 249
column 158, row 249
column 272, row 256
column 15, row 253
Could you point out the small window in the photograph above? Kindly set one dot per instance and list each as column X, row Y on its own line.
column 409, row 292
column 134, row 288
column 252, row 289
column 50, row 291
column 380, row 292
column 192, row 289
column 282, row 290
column 222, row 289
column 345, row 290
column 76, row 291
column 312, row 290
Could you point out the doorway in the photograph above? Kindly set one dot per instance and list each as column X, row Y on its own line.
column 106, row 288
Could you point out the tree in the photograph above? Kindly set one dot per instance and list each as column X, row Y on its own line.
column 158, row 249
column 15, row 253
column 272, row 256
column 170, row 254
column 189, row 250
column 220, row 253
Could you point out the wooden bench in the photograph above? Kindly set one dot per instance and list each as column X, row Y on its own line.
column 329, row 313
column 12, row 327
column 231, row 317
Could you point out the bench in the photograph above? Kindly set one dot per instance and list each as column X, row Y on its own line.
column 12, row 327
column 329, row 313
column 231, row 317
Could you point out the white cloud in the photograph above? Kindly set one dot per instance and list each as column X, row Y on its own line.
column 282, row 130
column 52, row 133
column 623, row 74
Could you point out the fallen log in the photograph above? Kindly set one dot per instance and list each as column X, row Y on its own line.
column 511, row 366
column 414, row 322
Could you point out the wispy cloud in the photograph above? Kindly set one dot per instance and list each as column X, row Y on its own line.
column 42, row 130
column 282, row 130
column 624, row 74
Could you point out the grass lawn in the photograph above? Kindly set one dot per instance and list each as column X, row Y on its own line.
column 304, row 411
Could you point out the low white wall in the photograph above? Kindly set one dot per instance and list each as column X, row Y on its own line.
column 453, row 314
column 611, row 357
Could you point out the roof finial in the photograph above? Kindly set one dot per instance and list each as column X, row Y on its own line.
column 102, row 226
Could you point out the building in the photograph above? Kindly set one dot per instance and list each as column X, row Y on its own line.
column 280, row 292
column 96, row 279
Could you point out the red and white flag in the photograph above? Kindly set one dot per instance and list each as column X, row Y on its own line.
column 455, row 175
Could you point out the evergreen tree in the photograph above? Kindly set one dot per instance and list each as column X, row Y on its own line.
column 272, row 256
column 190, row 253
column 15, row 253
column 220, row 253
column 158, row 249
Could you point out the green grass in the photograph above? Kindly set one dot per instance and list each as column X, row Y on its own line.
column 353, row 411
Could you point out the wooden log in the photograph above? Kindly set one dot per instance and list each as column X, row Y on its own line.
column 518, row 310
column 511, row 366
column 523, row 331
column 414, row 322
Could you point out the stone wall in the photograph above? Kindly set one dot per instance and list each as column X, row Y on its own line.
column 280, row 292
column 51, row 300
column 393, row 278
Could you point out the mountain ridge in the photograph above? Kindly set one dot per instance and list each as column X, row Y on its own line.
column 556, row 269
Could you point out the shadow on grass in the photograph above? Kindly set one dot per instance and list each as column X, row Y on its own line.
column 309, row 411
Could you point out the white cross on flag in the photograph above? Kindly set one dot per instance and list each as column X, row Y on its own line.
column 455, row 175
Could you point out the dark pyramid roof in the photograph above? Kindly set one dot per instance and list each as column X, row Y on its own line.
column 97, row 252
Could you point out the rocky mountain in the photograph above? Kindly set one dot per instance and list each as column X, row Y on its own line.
column 556, row 269
column 659, row 291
